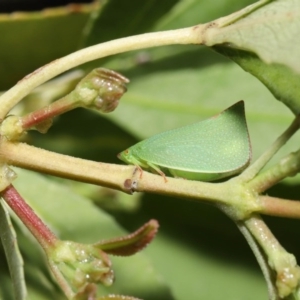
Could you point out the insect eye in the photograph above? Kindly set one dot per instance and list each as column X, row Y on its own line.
column 126, row 151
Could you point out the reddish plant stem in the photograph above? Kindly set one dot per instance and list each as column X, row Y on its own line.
column 40, row 231
column 279, row 207
column 54, row 109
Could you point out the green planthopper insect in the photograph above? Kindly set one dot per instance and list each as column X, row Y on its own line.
column 208, row 150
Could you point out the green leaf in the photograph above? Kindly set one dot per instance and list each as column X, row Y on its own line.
column 204, row 271
column 271, row 32
column 12, row 252
column 39, row 284
column 191, row 12
column 282, row 82
column 75, row 218
column 6, row 291
column 53, row 32
column 124, row 18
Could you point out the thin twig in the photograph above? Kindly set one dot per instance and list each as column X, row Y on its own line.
column 287, row 166
column 261, row 259
column 255, row 168
column 279, row 207
column 283, row 263
column 121, row 177
column 58, row 66
column 37, row 227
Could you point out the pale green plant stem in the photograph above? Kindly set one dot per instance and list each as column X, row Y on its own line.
column 121, row 177
column 287, row 166
column 283, row 263
column 263, row 235
column 256, row 167
column 190, row 35
column 261, row 259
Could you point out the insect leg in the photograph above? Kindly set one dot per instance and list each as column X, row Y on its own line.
column 157, row 170
column 138, row 168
